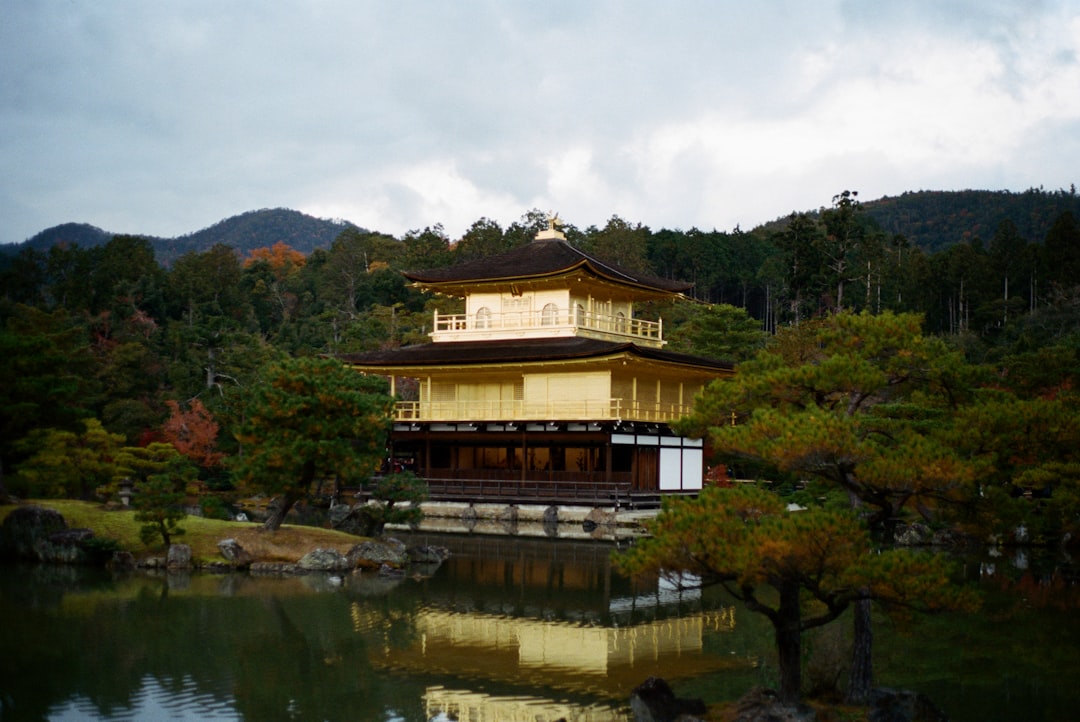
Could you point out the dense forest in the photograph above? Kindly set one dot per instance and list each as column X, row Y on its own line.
column 243, row 233
column 108, row 332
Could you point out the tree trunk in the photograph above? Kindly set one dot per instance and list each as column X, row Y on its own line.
column 4, row 498
column 861, row 676
column 789, row 643
column 280, row 509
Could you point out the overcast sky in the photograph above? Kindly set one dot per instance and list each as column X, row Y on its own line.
column 165, row 117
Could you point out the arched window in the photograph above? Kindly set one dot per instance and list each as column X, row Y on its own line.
column 620, row 322
column 483, row 317
column 549, row 314
column 579, row 315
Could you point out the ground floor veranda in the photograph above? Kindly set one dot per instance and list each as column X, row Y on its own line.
column 597, row 464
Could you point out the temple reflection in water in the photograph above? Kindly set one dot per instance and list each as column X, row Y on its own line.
column 520, row 629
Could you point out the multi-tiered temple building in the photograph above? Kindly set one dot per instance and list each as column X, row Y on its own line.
column 547, row 387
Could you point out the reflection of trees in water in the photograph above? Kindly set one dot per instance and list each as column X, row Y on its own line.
column 265, row 647
column 272, row 655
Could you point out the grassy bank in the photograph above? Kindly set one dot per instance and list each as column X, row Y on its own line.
column 288, row 544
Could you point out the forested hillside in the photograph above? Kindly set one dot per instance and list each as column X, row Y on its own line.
column 935, row 220
column 80, row 234
column 930, row 220
column 255, row 229
column 244, row 232
column 1011, row 254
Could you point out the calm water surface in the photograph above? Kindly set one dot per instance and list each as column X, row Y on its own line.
column 508, row 629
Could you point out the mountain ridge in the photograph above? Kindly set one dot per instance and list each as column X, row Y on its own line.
column 244, row 232
column 931, row 220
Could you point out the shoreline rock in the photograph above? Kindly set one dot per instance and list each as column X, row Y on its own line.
column 35, row 533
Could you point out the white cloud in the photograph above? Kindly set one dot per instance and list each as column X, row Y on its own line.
column 143, row 117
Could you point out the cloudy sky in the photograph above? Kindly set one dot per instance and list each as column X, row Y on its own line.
column 165, row 117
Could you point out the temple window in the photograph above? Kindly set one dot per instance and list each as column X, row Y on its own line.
column 549, row 314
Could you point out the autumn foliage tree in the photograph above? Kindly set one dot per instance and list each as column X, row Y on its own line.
column 307, row 421
column 858, row 403
column 193, row 432
column 800, row 569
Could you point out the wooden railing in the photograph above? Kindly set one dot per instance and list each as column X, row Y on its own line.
column 539, row 491
column 580, row 410
column 462, row 326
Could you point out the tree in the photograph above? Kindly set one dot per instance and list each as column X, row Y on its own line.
column 1009, row 261
column 841, row 242
column 800, row 242
column 160, row 475
column 800, row 569
column 309, row 420
column 126, row 278
column 718, row 331
column 484, row 238
column 65, row 464
column 861, row 404
column 854, row 400
column 193, row 433
column 205, row 288
column 1028, row 451
column 47, row 379
column 524, row 230
column 395, row 499
column 621, row 243
column 353, row 258
column 1062, row 251
column 429, row 248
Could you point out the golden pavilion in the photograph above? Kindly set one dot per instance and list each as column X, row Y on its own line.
column 547, row 388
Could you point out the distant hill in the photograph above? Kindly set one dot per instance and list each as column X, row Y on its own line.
column 83, row 235
column 247, row 231
column 257, row 229
column 934, row 220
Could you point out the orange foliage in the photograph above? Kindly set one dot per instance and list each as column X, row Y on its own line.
column 281, row 257
column 193, row 433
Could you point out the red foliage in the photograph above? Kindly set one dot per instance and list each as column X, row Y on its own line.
column 193, row 433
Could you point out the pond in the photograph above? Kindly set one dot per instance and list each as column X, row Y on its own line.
column 508, row 629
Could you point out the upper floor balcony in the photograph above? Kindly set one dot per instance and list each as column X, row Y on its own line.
column 551, row 321
column 614, row 409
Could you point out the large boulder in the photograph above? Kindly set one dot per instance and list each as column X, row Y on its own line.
column 374, row 554
column 234, row 553
column 324, row 560
column 64, row 547
column 26, row 528
column 654, row 701
column 178, row 556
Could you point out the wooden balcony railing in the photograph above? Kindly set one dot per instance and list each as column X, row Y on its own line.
column 537, row 487
column 520, row 324
column 582, row 410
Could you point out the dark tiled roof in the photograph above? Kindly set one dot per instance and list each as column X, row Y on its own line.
column 536, row 259
column 521, row 351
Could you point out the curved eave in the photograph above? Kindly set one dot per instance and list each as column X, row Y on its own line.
column 533, row 352
column 538, row 261
column 465, row 287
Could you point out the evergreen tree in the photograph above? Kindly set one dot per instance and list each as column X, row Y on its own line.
column 307, row 421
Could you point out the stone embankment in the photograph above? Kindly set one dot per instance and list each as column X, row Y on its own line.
column 34, row 533
column 562, row 521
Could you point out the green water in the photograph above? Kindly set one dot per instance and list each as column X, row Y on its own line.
column 508, row 629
